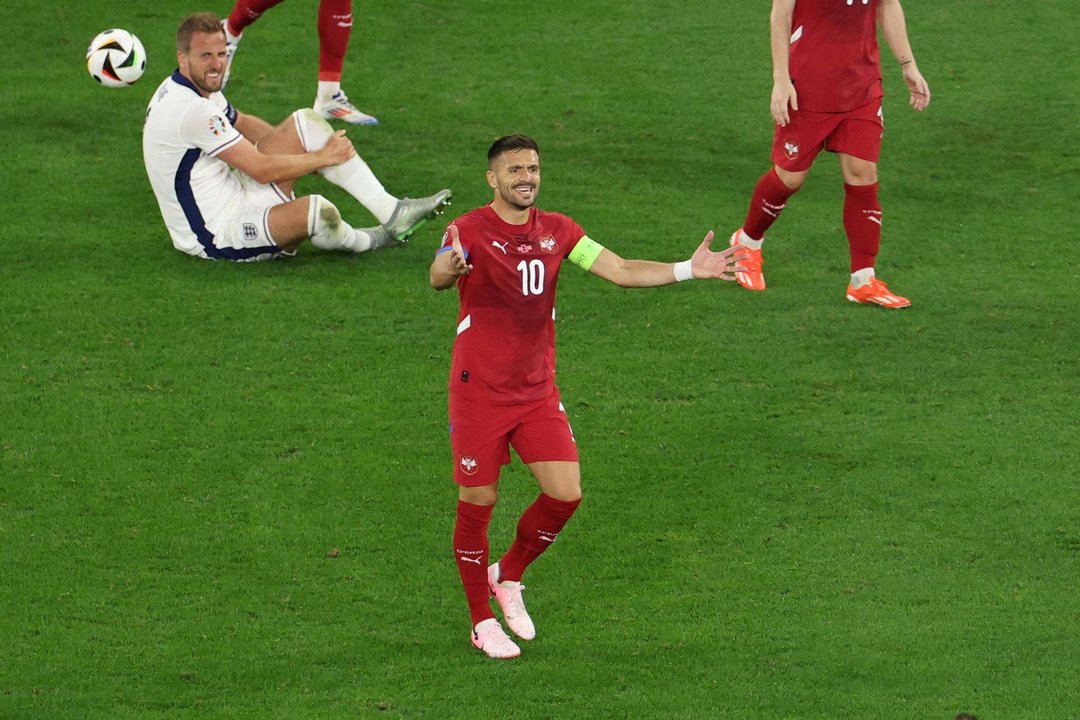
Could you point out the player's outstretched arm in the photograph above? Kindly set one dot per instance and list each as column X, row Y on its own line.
column 450, row 264
column 704, row 264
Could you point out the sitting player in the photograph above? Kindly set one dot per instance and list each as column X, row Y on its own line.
column 224, row 179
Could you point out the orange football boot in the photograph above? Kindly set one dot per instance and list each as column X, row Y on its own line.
column 751, row 278
column 876, row 292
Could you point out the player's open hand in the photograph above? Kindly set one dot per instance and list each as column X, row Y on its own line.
column 918, row 88
column 458, row 264
column 718, row 265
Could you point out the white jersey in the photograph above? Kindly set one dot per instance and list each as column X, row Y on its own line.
column 182, row 136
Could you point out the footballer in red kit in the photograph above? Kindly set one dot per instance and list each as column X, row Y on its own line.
column 507, row 302
column 504, row 258
column 827, row 95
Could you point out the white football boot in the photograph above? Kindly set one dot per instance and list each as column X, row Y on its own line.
column 489, row 637
column 509, row 595
column 338, row 107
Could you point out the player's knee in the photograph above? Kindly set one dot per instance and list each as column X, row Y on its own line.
column 322, row 215
column 312, row 128
column 486, row 495
column 792, row 180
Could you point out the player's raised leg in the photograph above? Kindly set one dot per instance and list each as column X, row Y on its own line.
column 537, row 529
column 401, row 217
column 335, row 27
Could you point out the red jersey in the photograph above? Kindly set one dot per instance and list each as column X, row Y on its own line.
column 504, row 353
column 834, row 61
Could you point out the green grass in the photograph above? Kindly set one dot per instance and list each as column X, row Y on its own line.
column 795, row 507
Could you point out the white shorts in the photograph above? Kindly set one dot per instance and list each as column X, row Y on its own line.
column 243, row 232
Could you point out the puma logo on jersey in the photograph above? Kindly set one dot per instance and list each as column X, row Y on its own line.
column 501, row 246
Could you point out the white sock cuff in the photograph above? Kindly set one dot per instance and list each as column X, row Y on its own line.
column 327, row 89
column 862, row 277
column 747, row 241
column 313, row 213
column 326, row 229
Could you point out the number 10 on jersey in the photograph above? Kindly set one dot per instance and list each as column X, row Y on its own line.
column 532, row 277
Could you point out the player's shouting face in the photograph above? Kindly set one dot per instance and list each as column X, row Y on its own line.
column 515, row 176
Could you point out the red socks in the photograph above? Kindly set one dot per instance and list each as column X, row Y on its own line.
column 471, row 552
column 539, row 526
column 862, row 223
column 537, row 529
column 335, row 25
column 245, row 12
column 766, row 204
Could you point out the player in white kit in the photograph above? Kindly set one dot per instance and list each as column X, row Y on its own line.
column 224, row 179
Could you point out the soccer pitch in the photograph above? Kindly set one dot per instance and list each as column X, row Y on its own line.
column 225, row 489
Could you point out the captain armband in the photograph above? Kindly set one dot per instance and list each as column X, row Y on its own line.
column 585, row 252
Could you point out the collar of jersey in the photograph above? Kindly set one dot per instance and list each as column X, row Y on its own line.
column 181, row 80
column 503, row 226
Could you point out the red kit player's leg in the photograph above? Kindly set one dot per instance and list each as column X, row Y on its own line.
column 471, row 553
column 335, row 26
column 862, row 223
column 768, row 201
column 245, row 12
column 537, row 529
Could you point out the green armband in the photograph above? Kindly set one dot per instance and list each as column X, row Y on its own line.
column 585, row 252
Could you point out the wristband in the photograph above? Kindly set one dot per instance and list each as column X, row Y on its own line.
column 684, row 271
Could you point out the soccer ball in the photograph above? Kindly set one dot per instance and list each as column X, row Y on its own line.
column 115, row 58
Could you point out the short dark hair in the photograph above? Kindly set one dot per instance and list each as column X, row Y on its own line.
column 511, row 142
column 204, row 22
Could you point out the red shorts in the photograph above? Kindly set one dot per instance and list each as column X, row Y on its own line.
column 481, row 436
column 856, row 132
